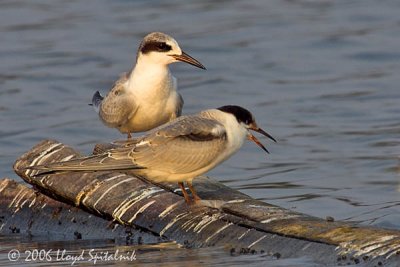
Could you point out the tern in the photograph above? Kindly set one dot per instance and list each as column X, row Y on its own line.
column 177, row 151
column 147, row 96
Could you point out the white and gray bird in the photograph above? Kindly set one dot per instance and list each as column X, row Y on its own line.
column 147, row 96
column 177, row 151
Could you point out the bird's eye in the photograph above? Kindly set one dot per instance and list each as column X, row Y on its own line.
column 155, row 46
column 163, row 46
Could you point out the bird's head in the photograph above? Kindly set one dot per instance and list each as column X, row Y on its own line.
column 161, row 48
column 246, row 119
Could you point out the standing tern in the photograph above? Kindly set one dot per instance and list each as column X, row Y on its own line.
column 147, row 96
column 177, row 151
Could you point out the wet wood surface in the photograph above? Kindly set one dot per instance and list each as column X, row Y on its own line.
column 224, row 217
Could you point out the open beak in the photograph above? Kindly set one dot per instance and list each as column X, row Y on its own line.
column 255, row 140
column 188, row 59
column 261, row 131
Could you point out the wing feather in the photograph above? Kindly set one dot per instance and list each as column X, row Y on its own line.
column 184, row 146
column 117, row 107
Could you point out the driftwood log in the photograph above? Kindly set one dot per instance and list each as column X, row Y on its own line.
column 28, row 212
column 224, row 218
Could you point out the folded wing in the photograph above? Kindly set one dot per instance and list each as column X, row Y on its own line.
column 117, row 107
column 186, row 145
column 183, row 146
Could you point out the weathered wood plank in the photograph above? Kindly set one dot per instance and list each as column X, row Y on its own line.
column 26, row 211
column 227, row 217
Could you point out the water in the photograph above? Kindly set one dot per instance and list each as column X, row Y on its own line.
column 105, row 253
column 320, row 76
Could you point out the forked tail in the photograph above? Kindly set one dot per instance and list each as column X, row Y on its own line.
column 102, row 162
column 96, row 101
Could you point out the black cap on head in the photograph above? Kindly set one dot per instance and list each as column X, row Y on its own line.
column 241, row 114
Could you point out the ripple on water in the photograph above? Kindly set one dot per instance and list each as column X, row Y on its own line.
column 320, row 76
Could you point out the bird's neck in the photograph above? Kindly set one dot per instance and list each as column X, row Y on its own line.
column 236, row 133
column 150, row 77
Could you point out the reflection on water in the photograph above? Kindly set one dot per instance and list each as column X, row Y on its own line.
column 320, row 76
column 106, row 253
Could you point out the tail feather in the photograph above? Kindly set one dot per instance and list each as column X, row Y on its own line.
column 96, row 101
column 102, row 162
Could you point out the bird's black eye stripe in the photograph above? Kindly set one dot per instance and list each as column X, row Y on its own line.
column 155, row 47
column 163, row 46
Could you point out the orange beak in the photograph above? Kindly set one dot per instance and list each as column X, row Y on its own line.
column 255, row 140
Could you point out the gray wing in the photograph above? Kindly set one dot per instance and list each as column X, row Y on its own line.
column 185, row 145
column 117, row 107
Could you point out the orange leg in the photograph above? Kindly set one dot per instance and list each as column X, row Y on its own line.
column 185, row 194
column 195, row 195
